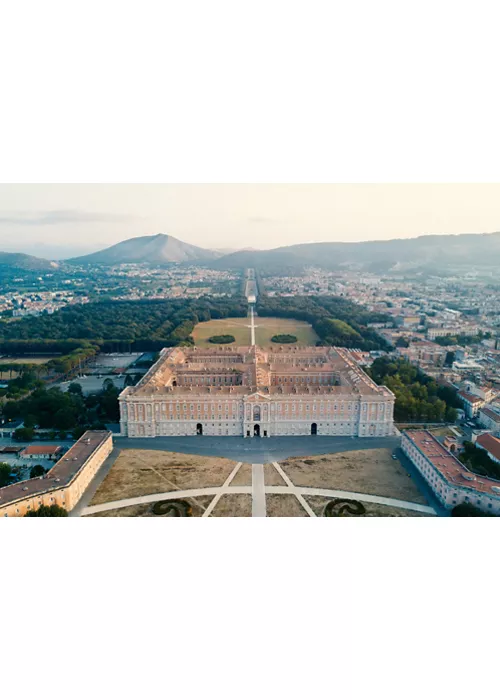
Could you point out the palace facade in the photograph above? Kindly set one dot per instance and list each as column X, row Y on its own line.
column 256, row 392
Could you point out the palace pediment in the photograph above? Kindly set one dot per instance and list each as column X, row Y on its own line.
column 256, row 397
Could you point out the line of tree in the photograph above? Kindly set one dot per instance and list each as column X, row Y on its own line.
column 418, row 396
column 116, row 325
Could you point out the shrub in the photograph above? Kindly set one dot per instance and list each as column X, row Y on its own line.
column 175, row 509
column 222, row 339
column 284, row 338
column 467, row 510
column 53, row 511
column 340, row 507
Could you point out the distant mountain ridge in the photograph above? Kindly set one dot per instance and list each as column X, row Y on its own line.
column 428, row 252
column 160, row 248
column 21, row 261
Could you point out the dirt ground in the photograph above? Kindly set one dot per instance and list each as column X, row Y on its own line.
column 373, row 510
column 141, row 472
column 145, row 510
column 233, row 505
column 243, row 476
column 272, row 477
column 364, row 471
column 284, row 506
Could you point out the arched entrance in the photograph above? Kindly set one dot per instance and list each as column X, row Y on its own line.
column 256, row 430
column 199, row 429
column 314, row 428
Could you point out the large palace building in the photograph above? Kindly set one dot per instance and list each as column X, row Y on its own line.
column 254, row 392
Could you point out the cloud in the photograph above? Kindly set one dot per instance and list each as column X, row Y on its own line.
column 62, row 216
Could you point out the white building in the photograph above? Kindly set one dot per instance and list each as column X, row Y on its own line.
column 489, row 418
column 451, row 482
column 254, row 392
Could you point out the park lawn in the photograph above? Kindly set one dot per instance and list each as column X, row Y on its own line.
column 27, row 360
column 266, row 327
column 239, row 327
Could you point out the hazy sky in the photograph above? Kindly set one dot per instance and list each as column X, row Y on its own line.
column 62, row 220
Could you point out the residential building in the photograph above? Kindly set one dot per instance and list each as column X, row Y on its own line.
column 451, row 482
column 472, row 403
column 42, row 451
column 489, row 418
column 491, row 445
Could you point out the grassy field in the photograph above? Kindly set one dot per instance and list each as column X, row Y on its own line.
column 239, row 327
column 265, row 328
column 27, row 360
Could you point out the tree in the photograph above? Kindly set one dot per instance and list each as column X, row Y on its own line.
column 24, row 434
column 402, row 342
column 6, row 476
column 36, row 471
column 450, row 358
column 53, row 511
column 77, row 432
column 108, row 384
column 75, row 388
column 467, row 510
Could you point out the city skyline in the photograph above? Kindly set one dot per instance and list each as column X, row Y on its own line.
column 61, row 220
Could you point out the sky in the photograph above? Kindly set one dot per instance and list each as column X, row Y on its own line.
column 60, row 220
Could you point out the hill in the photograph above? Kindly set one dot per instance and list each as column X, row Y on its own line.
column 20, row 261
column 148, row 249
column 427, row 253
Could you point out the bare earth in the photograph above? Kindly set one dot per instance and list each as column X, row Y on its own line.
column 141, row 472
column 364, row 471
column 373, row 510
column 271, row 476
column 145, row 510
column 233, row 505
column 283, row 506
column 243, row 476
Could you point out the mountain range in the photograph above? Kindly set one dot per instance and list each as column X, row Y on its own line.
column 21, row 261
column 148, row 249
column 432, row 253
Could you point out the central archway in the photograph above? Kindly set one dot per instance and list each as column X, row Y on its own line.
column 256, row 430
column 199, row 429
column 314, row 428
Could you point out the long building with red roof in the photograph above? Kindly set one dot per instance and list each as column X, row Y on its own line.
column 451, row 482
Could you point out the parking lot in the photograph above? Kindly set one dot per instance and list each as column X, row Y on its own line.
column 115, row 360
column 93, row 384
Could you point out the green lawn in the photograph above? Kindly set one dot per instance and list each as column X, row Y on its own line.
column 265, row 328
column 239, row 327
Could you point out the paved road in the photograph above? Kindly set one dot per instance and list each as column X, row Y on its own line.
column 255, row 450
column 252, row 326
column 258, row 491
